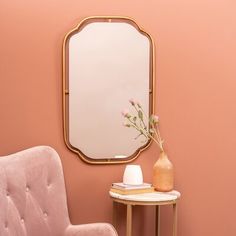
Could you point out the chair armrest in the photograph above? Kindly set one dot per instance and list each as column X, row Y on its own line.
column 98, row 229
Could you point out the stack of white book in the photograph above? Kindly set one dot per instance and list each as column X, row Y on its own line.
column 126, row 189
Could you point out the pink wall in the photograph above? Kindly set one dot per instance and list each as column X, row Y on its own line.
column 195, row 100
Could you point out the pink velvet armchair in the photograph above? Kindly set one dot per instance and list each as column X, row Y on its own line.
column 33, row 197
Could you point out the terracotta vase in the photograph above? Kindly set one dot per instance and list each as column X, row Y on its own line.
column 163, row 174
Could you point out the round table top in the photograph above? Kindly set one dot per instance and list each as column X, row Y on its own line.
column 154, row 197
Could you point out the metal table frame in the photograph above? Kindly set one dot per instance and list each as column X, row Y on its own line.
column 130, row 203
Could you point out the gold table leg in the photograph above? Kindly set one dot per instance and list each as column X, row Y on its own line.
column 158, row 210
column 129, row 220
column 175, row 219
column 114, row 213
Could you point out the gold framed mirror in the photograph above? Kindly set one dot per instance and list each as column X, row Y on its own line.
column 106, row 61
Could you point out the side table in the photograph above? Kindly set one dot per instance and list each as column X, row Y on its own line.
column 146, row 199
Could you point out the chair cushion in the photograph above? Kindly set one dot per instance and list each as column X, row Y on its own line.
column 32, row 194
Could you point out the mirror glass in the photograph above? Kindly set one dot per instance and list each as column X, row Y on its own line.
column 107, row 61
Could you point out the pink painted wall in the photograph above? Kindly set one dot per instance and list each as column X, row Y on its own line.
column 196, row 81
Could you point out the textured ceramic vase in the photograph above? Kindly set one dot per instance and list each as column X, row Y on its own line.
column 163, row 174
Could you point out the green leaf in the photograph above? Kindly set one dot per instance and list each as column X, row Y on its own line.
column 151, row 119
column 140, row 114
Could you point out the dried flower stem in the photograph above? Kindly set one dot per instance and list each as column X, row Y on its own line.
column 159, row 140
column 142, row 127
column 145, row 133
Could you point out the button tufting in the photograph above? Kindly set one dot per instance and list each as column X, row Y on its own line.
column 6, row 224
column 27, row 189
column 7, row 194
column 22, row 220
column 45, row 214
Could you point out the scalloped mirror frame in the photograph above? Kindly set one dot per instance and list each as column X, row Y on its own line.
column 65, row 91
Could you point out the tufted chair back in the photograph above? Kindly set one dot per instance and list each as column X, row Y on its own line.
column 33, row 197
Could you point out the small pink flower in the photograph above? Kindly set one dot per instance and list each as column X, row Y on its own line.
column 126, row 124
column 155, row 119
column 132, row 101
column 138, row 104
column 125, row 113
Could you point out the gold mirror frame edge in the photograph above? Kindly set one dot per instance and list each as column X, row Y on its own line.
column 79, row 26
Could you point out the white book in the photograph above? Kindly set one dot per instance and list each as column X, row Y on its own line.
column 128, row 186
